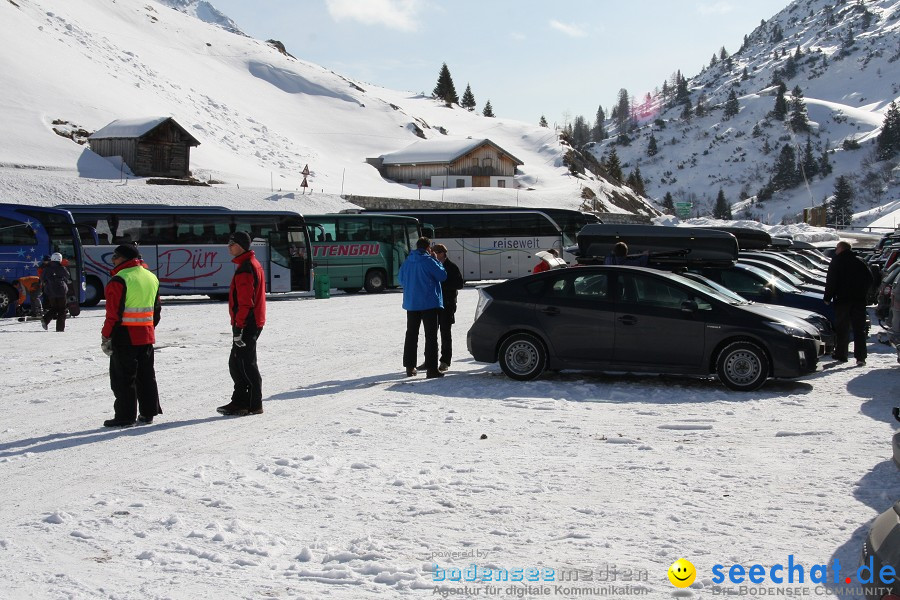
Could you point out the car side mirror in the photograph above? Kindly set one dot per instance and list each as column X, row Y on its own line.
column 689, row 306
column 767, row 291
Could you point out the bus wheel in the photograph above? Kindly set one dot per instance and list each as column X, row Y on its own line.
column 349, row 290
column 93, row 291
column 8, row 297
column 375, row 281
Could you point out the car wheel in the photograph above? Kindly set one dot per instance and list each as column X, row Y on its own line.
column 375, row 281
column 742, row 366
column 8, row 297
column 93, row 291
column 523, row 357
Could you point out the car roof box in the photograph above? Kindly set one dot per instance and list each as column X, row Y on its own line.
column 747, row 237
column 666, row 245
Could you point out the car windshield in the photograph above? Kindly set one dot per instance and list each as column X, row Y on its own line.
column 706, row 290
column 735, row 298
column 780, row 284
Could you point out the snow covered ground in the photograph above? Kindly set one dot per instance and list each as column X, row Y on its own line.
column 356, row 480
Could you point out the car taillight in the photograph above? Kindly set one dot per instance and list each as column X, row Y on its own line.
column 484, row 299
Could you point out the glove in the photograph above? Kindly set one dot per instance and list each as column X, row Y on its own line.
column 106, row 345
column 238, row 339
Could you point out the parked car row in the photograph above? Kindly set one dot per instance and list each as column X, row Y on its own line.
column 737, row 306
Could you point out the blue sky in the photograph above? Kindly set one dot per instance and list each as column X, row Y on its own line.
column 529, row 57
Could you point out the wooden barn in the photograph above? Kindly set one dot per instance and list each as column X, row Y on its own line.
column 151, row 147
column 450, row 163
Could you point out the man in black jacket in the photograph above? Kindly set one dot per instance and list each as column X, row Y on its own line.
column 847, row 285
column 447, row 315
column 56, row 283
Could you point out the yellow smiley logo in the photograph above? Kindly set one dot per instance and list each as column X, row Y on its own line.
column 682, row 573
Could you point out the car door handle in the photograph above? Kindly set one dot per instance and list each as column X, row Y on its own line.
column 550, row 310
column 627, row 320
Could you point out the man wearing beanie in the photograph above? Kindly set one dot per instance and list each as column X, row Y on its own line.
column 247, row 307
column 55, row 283
column 129, row 332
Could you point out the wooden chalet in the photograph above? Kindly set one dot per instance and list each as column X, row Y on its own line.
column 450, row 163
column 151, row 147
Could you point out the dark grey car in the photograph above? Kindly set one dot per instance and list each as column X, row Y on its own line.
column 619, row 318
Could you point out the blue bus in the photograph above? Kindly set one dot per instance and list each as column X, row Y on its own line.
column 28, row 233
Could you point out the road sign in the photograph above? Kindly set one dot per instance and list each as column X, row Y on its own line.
column 683, row 209
column 684, row 204
column 305, row 172
column 303, row 183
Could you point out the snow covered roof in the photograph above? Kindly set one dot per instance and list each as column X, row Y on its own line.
column 438, row 151
column 134, row 128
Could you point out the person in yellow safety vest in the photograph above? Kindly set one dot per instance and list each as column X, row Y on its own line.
column 129, row 332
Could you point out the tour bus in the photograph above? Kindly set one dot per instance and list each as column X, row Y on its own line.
column 27, row 233
column 500, row 243
column 361, row 250
column 187, row 246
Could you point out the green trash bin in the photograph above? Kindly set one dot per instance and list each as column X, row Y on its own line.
column 322, row 286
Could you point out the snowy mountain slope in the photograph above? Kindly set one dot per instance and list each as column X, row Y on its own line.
column 847, row 72
column 260, row 115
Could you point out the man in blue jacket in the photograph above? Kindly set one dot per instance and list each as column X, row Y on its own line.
column 421, row 276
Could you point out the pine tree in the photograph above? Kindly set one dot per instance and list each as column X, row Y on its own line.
column 598, row 133
column 445, row 89
column 790, row 68
column 614, row 167
column 713, row 60
column 757, row 130
column 888, row 142
column 840, row 210
column 682, row 94
column 652, row 148
column 808, row 164
column 722, row 210
column 723, row 54
column 784, row 174
column 488, row 109
column 798, row 122
column 581, row 133
column 636, row 182
column 825, row 167
column 468, row 99
column 781, row 107
column 668, row 203
column 700, row 109
column 623, row 110
column 686, row 112
column 543, row 122
column 732, row 106
column 744, row 75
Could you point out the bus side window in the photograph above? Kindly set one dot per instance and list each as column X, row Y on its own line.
column 329, row 237
column 13, row 233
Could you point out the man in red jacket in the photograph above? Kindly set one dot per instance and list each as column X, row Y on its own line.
column 247, row 306
column 129, row 332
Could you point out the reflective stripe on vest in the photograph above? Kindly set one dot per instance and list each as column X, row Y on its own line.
column 141, row 287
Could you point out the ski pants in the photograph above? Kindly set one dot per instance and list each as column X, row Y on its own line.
column 244, row 371
column 414, row 318
column 132, row 378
